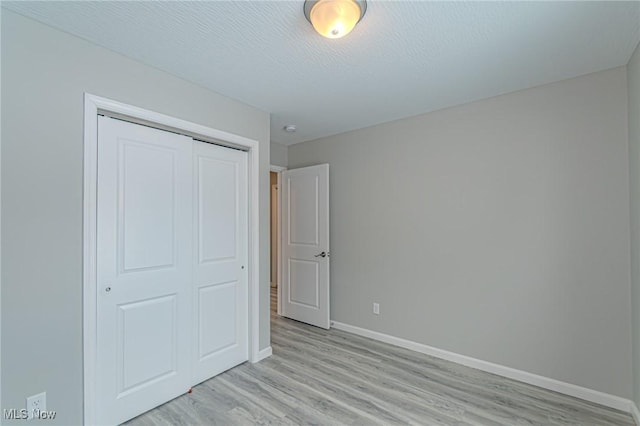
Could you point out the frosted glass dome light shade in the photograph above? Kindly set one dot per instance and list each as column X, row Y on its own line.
column 334, row 18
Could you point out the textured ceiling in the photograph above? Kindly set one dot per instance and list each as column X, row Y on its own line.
column 404, row 58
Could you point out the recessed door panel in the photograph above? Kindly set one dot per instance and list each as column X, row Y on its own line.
column 147, row 342
column 217, row 318
column 146, row 205
column 217, row 209
column 303, row 210
column 303, row 279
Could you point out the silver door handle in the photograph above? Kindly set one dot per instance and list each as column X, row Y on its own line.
column 323, row 254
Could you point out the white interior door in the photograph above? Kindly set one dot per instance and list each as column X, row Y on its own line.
column 305, row 247
column 220, row 294
column 144, row 210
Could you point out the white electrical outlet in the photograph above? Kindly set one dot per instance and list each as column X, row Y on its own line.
column 376, row 308
column 36, row 404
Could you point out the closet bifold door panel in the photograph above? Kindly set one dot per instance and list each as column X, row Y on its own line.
column 220, row 285
column 143, row 262
column 172, row 277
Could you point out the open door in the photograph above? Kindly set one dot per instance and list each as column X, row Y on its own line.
column 305, row 245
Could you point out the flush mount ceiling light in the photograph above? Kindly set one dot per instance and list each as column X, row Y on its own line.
column 334, row 18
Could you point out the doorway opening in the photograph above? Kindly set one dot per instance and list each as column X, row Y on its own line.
column 275, row 231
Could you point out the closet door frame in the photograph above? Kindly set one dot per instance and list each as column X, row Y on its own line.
column 94, row 105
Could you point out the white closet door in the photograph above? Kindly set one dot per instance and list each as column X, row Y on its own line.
column 220, row 291
column 143, row 262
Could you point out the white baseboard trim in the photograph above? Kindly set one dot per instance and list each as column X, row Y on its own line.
column 635, row 413
column 500, row 370
column 264, row 353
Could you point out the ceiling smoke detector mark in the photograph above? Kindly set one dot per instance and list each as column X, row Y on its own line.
column 290, row 128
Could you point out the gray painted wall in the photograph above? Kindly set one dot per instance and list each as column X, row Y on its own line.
column 633, row 79
column 497, row 229
column 279, row 154
column 44, row 75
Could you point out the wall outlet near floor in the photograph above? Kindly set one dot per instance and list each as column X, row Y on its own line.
column 36, row 404
column 376, row 308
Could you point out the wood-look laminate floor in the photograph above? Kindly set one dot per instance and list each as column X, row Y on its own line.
column 329, row 377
